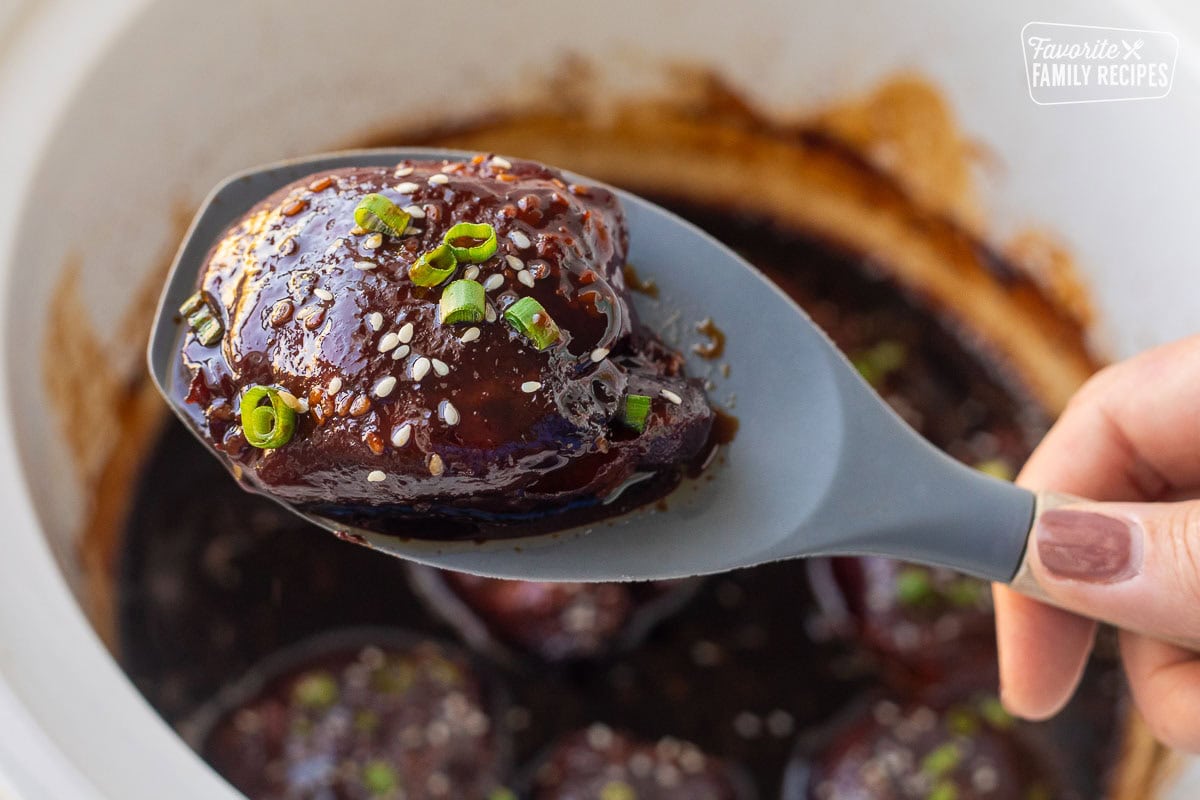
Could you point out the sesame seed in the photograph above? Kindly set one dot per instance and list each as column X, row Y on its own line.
column 436, row 465
column 747, row 725
column 289, row 400
column 439, row 179
column 489, row 313
column 333, row 248
column 324, row 294
column 600, row 736
column 674, row 398
column 385, row 386
column 514, row 262
column 335, row 385
column 529, row 387
column 400, row 352
column 641, row 765
column 365, row 266
column 375, row 320
column 471, row 272
column 286, row 247
column 415, row 211
column 412, row 232
column 471, row 335
column 420, row 368
column 357, row 230
column 440, row 367
column 493, row 282
column 525, row 277
column 389, row 341
column 780, row 723
column 402, row 172
column 502, row 163
column 519, row 239
column 401, row 435
column 373, row 241
column 408, row 187
column 376, row 475
column 599, row 354
column 406, row 333
column 449, row 413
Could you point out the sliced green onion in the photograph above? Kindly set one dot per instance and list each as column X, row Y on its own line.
column 266, row 426
column 941, row 761
column 483, row 236
column 913, row 587
column 634, row 411
column 202, row 319
column 316, row 690
column 533, row 322
column 207, row 327
column 380, row 778
column 462, row 301
column 192, row 304
column 997, row 468
column 995, row 714
column 878, row 363
column 379, row 214
column 434, row 267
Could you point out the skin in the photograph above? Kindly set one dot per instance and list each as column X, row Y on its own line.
column 1130, row 437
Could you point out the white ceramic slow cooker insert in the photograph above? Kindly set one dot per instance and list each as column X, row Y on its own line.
column 117, row 115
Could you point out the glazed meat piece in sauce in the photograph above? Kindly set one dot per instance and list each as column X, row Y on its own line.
column 600, row 763
column 928, row 624
column 370, row 722
column 408, row 422
column 552, row 621
column 969, row 751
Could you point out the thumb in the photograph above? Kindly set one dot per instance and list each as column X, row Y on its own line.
column 1136, row 565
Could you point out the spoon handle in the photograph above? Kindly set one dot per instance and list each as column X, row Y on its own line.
column 1026, row 582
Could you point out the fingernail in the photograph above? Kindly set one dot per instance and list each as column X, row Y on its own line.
column 1086, row 546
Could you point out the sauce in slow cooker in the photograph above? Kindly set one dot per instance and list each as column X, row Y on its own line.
column 213, row 579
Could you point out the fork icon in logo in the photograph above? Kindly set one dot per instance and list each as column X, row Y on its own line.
column 1132, row 49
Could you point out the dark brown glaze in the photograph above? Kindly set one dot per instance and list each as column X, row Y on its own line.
column 929, row 625
column 553, row 622
column 600, row 764
column 361, row 722
column 298, row 315
column 971, row 750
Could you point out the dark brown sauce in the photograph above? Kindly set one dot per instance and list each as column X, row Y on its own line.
column 213, row 579
column 715, row 346
column 641, row 285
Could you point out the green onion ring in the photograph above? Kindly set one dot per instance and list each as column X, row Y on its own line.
column 433, row 267
column 634, row 411
column 379, row 214
column 202, row 320
column 266, row 426
column 462, row 301
column 480, row 232
column 533, row 322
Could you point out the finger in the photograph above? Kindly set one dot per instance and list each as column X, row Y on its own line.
column 1165, row 681
column 1130, row 434
column 1136, row 565
column 1037, row 688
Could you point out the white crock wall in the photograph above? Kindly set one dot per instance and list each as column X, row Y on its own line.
column 116, row 113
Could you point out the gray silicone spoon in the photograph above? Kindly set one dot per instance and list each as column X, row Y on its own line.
column 820, row 466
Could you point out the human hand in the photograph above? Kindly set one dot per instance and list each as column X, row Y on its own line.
column 1131, row 436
